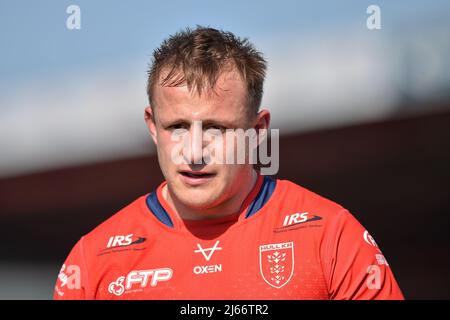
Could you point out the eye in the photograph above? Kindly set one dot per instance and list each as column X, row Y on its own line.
column 214, row 128
column 177, row 126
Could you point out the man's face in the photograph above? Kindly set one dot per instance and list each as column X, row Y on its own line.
column 199, row 186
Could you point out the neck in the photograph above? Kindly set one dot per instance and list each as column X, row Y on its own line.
column 230, row 206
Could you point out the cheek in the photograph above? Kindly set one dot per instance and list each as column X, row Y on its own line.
column 233, row 151
column 165, row 147
column 222, row 148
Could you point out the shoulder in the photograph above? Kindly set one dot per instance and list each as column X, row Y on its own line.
column 124, row 225
column 332, row 215
column 301, row 209
column 294, row 195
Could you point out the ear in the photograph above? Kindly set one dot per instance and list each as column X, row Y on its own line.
column 262, row 122
column 149, row 117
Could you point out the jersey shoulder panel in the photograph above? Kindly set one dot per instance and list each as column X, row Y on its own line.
column 125, row 223
column 305, row 199
column 296, row 210
column 305, row 206
column 79, row 275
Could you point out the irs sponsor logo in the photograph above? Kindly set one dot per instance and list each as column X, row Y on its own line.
column 138, row 280
column 207, row 254
column 122, row 242
column 299, row 218
column 276, row 262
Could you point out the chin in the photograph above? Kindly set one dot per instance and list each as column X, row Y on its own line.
column 195, row 198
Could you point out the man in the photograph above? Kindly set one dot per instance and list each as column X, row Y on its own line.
column 215, row 229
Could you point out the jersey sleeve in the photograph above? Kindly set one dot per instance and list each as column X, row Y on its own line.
column 354, row 266
column 72, row 281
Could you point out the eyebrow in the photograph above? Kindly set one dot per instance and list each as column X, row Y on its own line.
column 205, row 122
column 223, row 123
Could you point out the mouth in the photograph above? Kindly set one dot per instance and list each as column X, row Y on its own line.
column 193, row 178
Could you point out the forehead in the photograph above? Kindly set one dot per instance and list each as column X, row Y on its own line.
column 228, row 100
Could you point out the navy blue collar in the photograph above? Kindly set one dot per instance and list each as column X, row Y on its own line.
column 265, row 192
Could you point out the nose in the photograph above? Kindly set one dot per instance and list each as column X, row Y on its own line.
column 193, row 153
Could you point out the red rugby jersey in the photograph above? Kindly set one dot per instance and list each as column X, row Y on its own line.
column 285, row 243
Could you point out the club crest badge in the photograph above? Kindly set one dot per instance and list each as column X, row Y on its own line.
column 276, row 263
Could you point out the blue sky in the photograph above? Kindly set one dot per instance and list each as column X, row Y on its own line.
column 35, row 41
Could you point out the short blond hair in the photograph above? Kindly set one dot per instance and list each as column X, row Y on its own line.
column 197, row 57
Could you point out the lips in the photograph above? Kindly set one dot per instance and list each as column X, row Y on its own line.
column 195, row 178
column 193, row 174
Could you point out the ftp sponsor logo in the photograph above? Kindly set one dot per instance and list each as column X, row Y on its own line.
column 207, row 254
column 295, row 219
column 139, row 279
